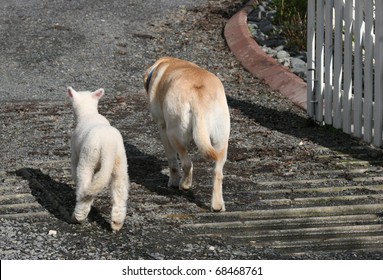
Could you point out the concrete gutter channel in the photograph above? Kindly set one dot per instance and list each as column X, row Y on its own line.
column 333, row 210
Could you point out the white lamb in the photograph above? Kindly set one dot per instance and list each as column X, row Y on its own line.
column 98, row 158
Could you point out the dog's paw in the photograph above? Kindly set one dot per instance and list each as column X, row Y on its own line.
column 173, row 183
column 174, row 178
column 218, row 207
column 186, row 180
column 185, row 185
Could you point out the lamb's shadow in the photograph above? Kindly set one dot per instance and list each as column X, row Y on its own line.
column 145, row 170
column 58, row 198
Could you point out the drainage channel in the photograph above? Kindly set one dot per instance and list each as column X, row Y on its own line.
column 300, row 216
column 16, row 200
column 332, row 209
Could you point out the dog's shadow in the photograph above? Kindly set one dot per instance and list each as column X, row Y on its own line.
column 58, row 198
column 291, row 123
column 145, row 170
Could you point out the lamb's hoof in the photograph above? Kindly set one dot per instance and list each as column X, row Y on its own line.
column 77, row 220
column 116, row 226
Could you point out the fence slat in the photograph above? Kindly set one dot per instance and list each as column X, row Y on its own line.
column 348, row 46
column 310, row 57
column 319, row 60
column 368, row 70
column 378, row 86
column 358, row 70
column 338, row 64
column 328, row 65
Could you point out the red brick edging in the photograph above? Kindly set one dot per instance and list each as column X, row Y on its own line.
column 257, row 62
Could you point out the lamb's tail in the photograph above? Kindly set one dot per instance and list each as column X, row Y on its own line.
column 201, row 137
column 103, row 176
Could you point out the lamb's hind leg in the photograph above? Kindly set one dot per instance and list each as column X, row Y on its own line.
column 120, row 188
column 84, row 199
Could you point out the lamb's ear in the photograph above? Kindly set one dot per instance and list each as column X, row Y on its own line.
column 98, row 93
column 71, row 92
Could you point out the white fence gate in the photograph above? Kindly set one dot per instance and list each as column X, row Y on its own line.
column 345, row 66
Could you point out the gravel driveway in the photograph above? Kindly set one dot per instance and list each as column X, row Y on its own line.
column 274, row 148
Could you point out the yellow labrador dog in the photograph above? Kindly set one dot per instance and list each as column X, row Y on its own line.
column 188, row 103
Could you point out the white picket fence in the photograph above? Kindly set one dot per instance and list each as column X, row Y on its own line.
column 345, row 66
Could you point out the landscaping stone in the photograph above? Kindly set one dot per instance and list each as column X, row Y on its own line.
column 268, row 35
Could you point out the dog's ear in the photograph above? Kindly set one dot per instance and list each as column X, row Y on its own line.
column 71, row 92
column 98, row 93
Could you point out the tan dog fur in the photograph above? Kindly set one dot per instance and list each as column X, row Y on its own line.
column 188, row 103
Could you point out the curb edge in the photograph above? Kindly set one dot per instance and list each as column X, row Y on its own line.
column 258, row 63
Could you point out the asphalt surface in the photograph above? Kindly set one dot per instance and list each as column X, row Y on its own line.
column 49, row 45
column 293, row 189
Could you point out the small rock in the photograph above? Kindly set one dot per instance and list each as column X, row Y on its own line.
column 298, row 63
column 52, row 233
column 283, row 55
column 301, row 66
column 189, row 248
column 265, row 26
column 156, row 256
column 262, row 14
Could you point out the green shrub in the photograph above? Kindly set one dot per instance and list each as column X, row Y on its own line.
column 292, row 18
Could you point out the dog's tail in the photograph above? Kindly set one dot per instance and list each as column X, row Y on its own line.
column 201, row 137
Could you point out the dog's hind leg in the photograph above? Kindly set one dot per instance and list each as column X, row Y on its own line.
column 187, row 166
column 171, row 154
column 217, row 202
